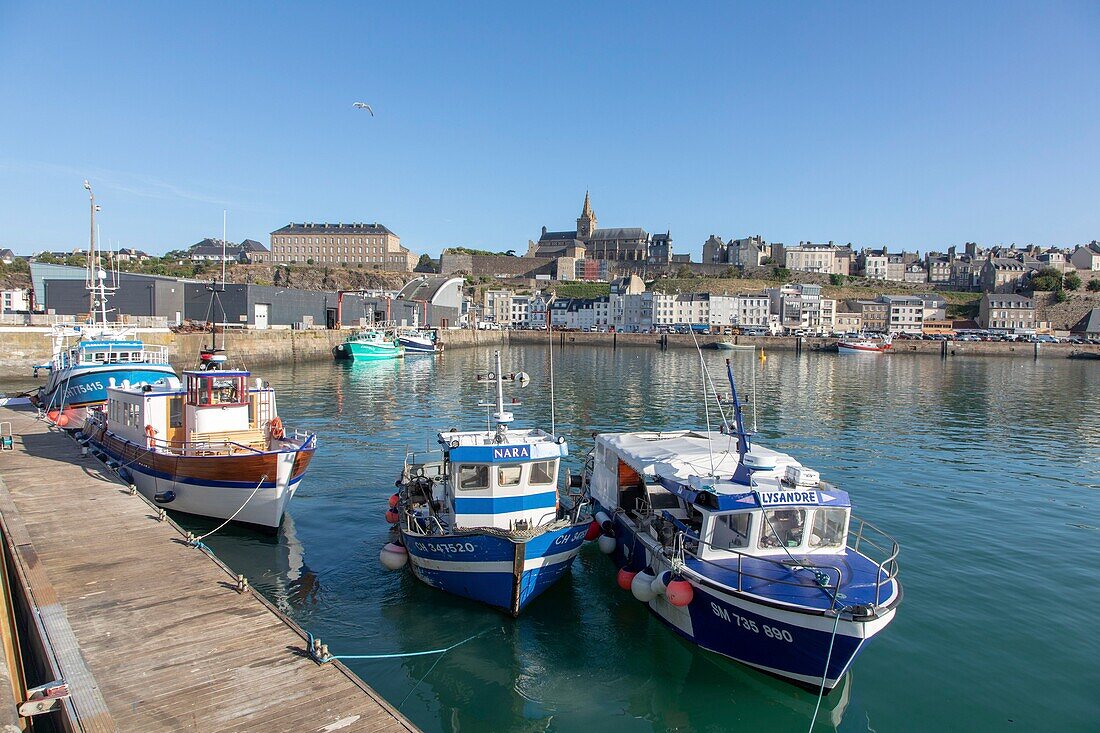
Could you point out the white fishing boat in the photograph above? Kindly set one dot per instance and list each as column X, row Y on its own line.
column 865, row 346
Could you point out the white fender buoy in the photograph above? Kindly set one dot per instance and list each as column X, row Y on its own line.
column 642, row 586
column 607, row 544
column 660, row 583
column 603, row 520
column 393, row 556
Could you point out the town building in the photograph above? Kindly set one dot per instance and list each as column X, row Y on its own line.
column 17, row 300
column 904, row 314
column 935, row 306
column 1088, row 326
column 7, row 256
column 373, row 246
column 439, row 299
column 847, row 321
column 497, row 306
column 520, row 306
column 637, row 314
column 748, row 252
column 1006, row 312
column 754, row 311
column 873, row 314
column 873, row 263
column 827, row 258
column 938, row 267
column 1087, row 257
column 1003, row 275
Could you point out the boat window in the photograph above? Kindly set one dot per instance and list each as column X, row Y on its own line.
column 473, row 477
column 731, row 530
column 782, row 528
column 828, row 529
column 225, row 391
column 175, row 412
column 509, row 475
column 544, row 472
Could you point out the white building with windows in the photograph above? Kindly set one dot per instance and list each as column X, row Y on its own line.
column 520, row 311
column 15, row 301
column 904, row 313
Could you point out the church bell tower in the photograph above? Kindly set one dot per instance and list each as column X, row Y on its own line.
column 586, row 224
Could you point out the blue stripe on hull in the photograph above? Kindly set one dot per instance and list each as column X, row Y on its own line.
column 493, row 587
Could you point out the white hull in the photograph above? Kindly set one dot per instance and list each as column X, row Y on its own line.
column 265, row 508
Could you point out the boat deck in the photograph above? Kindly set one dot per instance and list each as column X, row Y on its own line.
column 151, row 634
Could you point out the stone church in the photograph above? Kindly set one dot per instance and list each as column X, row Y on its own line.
column 624, row 244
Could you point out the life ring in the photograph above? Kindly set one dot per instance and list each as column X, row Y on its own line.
column 150, row 435
column 275, row 429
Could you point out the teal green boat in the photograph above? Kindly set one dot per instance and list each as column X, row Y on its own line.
column 368, row 345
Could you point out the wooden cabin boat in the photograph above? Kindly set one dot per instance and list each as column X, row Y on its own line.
column 212, row 445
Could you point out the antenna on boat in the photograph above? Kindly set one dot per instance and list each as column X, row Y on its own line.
column 743, row 445
column 224, row 217
column 550, row 353
column 754, row 397
column 502, row 416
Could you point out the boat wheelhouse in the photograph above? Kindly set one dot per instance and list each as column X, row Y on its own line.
column 482, row 517
column 743, row 550
column 212, row 445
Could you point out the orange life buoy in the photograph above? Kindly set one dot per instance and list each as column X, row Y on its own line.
column 275, row 427
column 151, row 435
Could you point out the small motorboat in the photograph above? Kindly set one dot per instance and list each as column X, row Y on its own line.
column 865, row 346
column 731, row 346
column 482, row 517
column 743, row 550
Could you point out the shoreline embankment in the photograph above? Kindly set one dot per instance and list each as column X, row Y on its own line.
column 21, row 349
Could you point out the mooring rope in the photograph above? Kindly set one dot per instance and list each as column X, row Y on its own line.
column 197, row 541
column 825, row 675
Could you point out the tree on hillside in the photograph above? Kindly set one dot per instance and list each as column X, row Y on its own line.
column 1047, row 279
column 836, row 279
column 685, row 273
column 426, row 264
column 1072, row 281
column 1094, row 286
column 781, row 273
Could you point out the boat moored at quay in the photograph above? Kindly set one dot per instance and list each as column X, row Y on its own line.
column 212, row 445
column 865, row 346
column 482, row 518
column 370, row 344
column 743, row 550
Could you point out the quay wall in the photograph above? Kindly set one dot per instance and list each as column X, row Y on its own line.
column 21, row 349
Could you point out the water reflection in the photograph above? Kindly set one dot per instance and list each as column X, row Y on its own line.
column 945, row 454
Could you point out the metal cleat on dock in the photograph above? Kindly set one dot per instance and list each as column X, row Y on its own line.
column 44, row 698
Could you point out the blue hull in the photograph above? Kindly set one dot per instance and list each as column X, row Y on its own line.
column 484, row 567
column 82, row 386
column 416, row 346
column 766, row 633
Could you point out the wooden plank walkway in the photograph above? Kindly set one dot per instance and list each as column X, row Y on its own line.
column 153, row 633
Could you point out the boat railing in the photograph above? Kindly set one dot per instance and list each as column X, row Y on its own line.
column 885, row 554
column 831, row 588
column 112, row 354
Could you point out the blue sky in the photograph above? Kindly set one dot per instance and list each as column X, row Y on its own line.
column 915, row 125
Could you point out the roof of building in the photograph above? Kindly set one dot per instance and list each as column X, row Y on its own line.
column 251, row 245
column 602, row 235
column 1007, row 263
column 326, row 228
column 211, row 246
column 555, row 236
column 7, row 254
column 1089, row 323
column 427, row 287
column 1006, row 298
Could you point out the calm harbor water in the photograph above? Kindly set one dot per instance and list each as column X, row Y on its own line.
column 987, row 471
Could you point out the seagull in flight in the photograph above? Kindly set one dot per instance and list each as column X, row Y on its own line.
column 364, row 105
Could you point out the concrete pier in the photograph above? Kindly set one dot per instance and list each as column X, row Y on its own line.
column 151, row 634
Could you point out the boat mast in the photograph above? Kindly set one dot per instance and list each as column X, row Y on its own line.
column 91, row 252
column 739, row 420
column 501, row 416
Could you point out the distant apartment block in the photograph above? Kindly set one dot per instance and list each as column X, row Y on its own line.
column 904, row 313
column 371, row 245
column 827, row 258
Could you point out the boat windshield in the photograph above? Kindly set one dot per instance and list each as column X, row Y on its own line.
column 828, row 528
column 782, row 528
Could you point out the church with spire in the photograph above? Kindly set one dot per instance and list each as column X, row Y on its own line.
column 588, row 241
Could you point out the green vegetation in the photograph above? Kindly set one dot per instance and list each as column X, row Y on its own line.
column 685, row 273
column 836, row 280
column 468, row 251
column 580, row 289
column 1061, row 296
column 1047, row 279
column 426, row 264
column 1071, row 281
column 781, row 273
column 1094, row 286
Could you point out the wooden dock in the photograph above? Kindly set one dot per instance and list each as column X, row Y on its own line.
column 150, row 633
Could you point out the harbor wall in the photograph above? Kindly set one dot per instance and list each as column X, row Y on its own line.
column 22, row 348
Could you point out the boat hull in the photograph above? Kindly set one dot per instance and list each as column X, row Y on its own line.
column 212, row 486
column 370, row 352
column 85, row 386
column 494, row 570
column 783, row 642
column 854, row 348
column 417, row 346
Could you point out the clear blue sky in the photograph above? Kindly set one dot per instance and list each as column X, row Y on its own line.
column 916, row 125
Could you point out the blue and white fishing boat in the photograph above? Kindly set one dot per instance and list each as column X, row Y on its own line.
column 743, row 550
column 481, row 517
column 89, row 359
column 415, row 341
